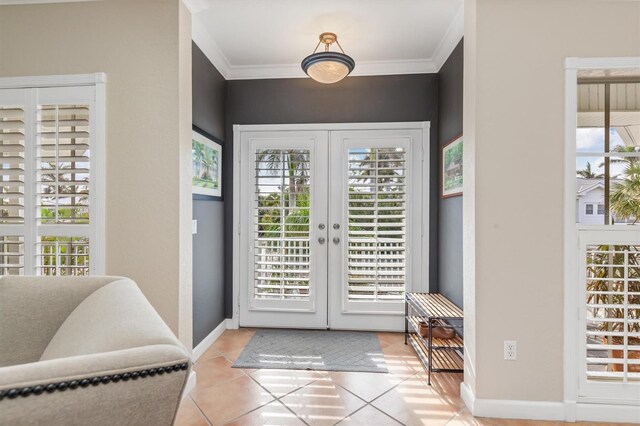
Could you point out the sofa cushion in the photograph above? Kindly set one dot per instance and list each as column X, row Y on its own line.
column 116, row 316
column 32, row 310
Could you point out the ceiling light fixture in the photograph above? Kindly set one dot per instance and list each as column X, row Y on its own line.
column 328, row 67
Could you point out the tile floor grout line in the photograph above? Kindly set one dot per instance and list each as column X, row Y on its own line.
column 387, row 414
column 276, row 399
column 206, row 419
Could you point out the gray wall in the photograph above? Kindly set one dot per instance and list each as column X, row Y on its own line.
column 450, row 209
column 209, row 89
column 354, row 99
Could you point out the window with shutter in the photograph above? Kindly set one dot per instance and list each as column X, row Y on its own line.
column 602, row 252
column 52, row 178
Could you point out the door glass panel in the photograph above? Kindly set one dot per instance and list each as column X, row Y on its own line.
column 281, row 217
column 613, row 313
column 377, row 224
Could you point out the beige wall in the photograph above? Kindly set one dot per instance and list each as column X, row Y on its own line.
column 144, row 47
column 514, row 117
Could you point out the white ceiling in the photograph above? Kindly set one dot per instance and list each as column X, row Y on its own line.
column 248, row 39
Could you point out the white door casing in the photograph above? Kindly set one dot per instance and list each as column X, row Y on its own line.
column 328, row 303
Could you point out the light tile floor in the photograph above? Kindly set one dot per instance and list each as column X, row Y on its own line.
column 231, row 396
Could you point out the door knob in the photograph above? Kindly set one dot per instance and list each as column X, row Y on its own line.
column 336, row 240
column 336, row 226
column 321, row 226
column 321, row 240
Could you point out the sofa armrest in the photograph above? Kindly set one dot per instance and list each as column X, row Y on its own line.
column 133, row 386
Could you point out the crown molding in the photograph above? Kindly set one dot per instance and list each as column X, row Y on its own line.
column 205, row 42
column 370, row 68
column 195, row 6
column 450, row 39
column 202, row 38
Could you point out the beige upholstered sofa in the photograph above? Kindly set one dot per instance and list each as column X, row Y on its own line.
column 86, row 351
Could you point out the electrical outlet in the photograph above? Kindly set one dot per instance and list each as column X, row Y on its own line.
column 510, row 350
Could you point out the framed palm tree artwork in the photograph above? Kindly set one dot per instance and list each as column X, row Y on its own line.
column 206, row 162
column 451, row 168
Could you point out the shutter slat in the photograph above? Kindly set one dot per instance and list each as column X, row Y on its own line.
column 281, row 226
column 376, row 209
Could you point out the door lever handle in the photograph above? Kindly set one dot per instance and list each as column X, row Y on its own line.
column 336, row 240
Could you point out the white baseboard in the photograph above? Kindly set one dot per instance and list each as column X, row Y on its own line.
column 232, row 324
column 607, row 413
column 209, row 340
column 548, row 410
column 191, row 384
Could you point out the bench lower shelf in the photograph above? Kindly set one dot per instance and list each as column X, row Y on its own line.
column 442, row 361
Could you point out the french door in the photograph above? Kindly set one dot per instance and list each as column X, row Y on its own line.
column 331, row 226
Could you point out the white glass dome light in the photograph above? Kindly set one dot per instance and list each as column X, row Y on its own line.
column 328, row 67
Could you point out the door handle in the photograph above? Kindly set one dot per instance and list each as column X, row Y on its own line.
column 321, row 240
column 336, row 226
column 336, row 240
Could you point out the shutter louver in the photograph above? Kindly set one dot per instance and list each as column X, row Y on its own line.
column 63, row 164
column 12, row 151
column 281, row 235
column 613, row 313
column 377, row 224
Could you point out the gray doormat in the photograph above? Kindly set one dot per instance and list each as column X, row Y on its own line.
column 313, row 350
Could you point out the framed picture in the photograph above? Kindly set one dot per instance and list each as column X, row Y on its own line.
column 451, row 168
column 206, row 163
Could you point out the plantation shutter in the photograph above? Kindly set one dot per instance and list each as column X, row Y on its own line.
column 612, row 313
column 282, row 201
column 63, row 164
column 377, row 192
column 49, row 201
column 12, row 157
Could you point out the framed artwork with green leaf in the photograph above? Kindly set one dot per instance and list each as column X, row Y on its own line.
column 451, row 168
column 206, row 164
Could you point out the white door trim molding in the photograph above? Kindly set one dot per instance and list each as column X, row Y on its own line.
column 52, row 81
column 237, row 177
column 583, row 407
column 330, row 126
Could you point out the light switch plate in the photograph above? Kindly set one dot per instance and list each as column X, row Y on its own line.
column 194, row 226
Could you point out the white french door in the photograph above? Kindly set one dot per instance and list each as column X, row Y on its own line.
column 376, row 226
column 283, row 249
column 331, row 229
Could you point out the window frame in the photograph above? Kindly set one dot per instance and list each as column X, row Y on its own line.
column 96, row 227
column 583, row 407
